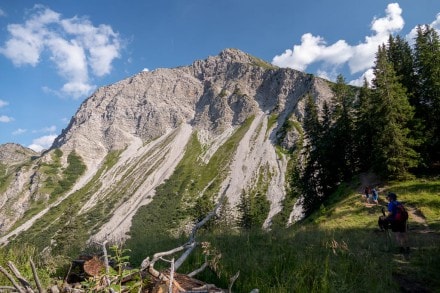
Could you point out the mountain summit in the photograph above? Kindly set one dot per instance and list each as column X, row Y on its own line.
column 161, row 140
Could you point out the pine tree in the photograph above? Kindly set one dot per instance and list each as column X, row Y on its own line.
column 330, row 167
column 343, row 130
column 310, row 175
column 427, row 68
column 393, row 148
column 364, row 131
column 400, row 55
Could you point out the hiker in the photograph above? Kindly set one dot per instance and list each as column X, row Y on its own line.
column 398, row 222
column 375, row 195
column 367, row 191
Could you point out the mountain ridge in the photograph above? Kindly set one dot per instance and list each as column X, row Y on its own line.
column 145, row 123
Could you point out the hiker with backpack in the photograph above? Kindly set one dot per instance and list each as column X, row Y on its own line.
column 398, row 217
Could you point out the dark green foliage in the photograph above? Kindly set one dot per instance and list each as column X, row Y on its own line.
column 73, row 171
column 400, row 55
column 310, row 178
column 427, row 69
column 393, row 148
column 340, row 139
column 364, row 131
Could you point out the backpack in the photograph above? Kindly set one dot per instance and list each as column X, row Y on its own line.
column 401, row 214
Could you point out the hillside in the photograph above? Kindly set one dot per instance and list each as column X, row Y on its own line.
column 337, row 249
column 340, row 248
column 170, row 137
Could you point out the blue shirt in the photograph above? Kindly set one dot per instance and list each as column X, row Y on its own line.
column 392, row 208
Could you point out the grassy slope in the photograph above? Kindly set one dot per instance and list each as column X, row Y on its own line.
column 338, row 249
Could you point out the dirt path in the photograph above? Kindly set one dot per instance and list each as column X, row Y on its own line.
column 419, row 233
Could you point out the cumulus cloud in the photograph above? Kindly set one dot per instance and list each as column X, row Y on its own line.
column 3, row 103
column 358, row 57
column 313, row 49
column 78, row 49
column 6, row 119
column 42, row 143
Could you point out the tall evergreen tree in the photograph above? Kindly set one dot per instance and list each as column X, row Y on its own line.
column 393, row 148
column 427, row 68
column 310, row 175
column 400, row 55
column 343, row 130
column 330, row 174
column 364, row 127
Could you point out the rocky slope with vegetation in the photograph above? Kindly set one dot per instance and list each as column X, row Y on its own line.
column 202, row 127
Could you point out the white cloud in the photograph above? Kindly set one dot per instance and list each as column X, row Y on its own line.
column 368, row 75
column 313, row 49
column 42, row 143
column 6, row 119
column 364, row 54
column 2, row 13
column 3, row 103
column 413, row 33
column 145, row 70
column 19, row 131
column 358, row 57
column 102, row 43
column 75, row 45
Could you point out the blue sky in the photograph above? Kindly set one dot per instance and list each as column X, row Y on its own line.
column 54, row 54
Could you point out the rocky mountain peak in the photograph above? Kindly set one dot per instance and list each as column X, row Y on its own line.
column 231, row 55
column 236, row 109
column 12, row 153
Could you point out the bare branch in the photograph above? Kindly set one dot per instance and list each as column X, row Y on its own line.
column 191, row 243
column 36, row 278
column 232, row 280
column 104, row 250
column 11, row 279
column 208, row 216
column 199, row 270
column 20, row 278
column 185, row 255
column 148, row 264
column 9, row 288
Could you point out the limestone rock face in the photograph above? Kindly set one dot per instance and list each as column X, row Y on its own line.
column 148, row 119
column 12, row 153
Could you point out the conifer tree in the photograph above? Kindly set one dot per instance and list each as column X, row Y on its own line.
column 400, row 55
column 364, row 131
column 343, row 130
column 330, row 174
column 393, row 153
column 310, row 183
column 427, row 68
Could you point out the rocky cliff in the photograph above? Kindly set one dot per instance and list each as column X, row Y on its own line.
column 223, row 124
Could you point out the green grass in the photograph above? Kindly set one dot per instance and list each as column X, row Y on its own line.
column 337, row 249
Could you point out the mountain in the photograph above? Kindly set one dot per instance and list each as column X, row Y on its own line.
column 168, row 140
